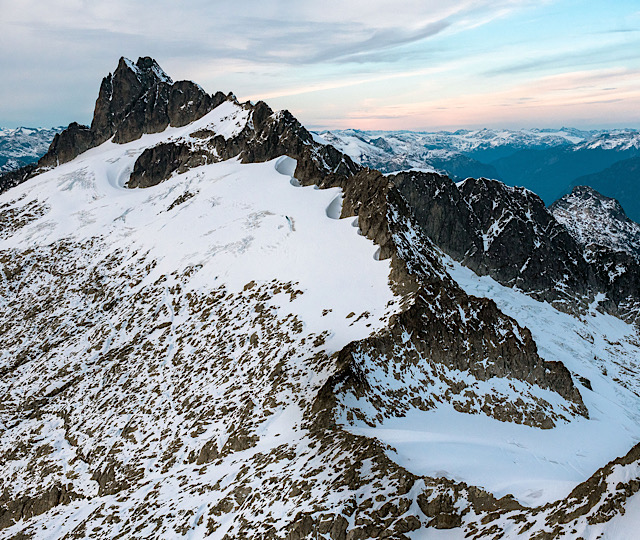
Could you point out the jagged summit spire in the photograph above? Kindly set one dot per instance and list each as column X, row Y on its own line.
column 135, row 99
column 145, row 66
column 139, row 98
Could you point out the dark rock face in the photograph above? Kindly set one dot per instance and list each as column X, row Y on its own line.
column 266, row 136
column 610, row 242
column 446, row 327
column 135, row 95
column 13, row 509
column 141, row 98
column 588, row 195
column 508, row 234
column 188, row 102
column 619, row 272
column 524, row 245
column 442, row 212
column 435, row 330
column 157, row 162
column 72, row 142
column 137, row 98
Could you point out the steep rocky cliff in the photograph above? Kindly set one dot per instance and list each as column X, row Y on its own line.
column 508, row 234
column 137, row 98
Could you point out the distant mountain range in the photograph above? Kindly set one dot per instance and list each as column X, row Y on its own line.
column 22, row 146
column 548, row 162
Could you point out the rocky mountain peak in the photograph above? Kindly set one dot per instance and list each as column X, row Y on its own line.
column 587, row 197
column 120, row 91
column 582, row 249
column 137, row 98
column 594, row 219
column 141, row 98
column 145, row 68
column 498, row 230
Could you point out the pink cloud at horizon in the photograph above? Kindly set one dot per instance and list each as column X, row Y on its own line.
column 605, row 97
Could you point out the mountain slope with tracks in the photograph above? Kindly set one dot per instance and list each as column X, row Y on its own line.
column 216, row 326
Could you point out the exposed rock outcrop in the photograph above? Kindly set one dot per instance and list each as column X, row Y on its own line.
column 508, row 233
column 14, row 509
column 619, row 272
column 15, row 178
column 66, row 145
column 141, row 98
column 524, row 246
column 267, row 135
column 442, row 213
column 446, row 326
column 593, row 219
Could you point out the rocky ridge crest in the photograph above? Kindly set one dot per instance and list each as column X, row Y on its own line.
column 509, row 234
column 136, row 98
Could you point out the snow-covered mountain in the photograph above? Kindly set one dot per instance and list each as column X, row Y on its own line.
column 623, row 139
column 593, row 219
column 21, row 146
column 217, row 325
column 483, row 144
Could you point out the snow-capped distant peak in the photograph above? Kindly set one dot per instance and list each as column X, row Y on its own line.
column 23, row 145
column 593, row 219
column 624, row 139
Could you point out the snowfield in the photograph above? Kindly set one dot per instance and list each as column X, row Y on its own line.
column 232, row 284
column 537, row 466
column 238, row 223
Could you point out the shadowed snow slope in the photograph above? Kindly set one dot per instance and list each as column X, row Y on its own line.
column 537, row 466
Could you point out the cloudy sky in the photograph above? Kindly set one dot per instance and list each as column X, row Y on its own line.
column 374, row 64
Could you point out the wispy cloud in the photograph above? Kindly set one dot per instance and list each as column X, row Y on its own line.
column 345, row 82
column 538, row 103
column 587, row 56
column 333, row 61
column 287, row 31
